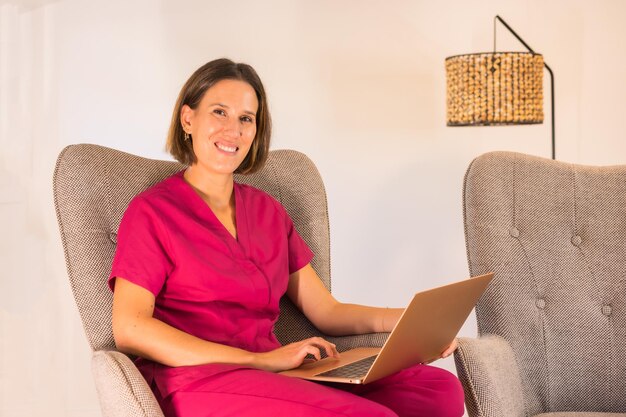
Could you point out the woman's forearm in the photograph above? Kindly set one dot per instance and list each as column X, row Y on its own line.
column 153, row 339
column 346, row 319
column 310, row 295
column 158, row 341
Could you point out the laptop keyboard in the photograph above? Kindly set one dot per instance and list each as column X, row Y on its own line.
column 353, row 370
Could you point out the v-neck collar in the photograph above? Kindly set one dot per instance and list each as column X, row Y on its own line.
column 239, row 246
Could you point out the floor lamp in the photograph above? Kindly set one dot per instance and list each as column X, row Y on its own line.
column 497, row 88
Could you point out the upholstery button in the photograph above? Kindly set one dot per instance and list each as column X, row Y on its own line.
column 576, row 240
column 606, row 310
column 113, row 237
column 540, row 303
column 514, row 232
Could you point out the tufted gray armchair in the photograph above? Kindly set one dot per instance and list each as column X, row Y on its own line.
column 92, row 188
column 552, row 324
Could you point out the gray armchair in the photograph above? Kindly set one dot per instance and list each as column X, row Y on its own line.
column 552, row 324
column 92, row 187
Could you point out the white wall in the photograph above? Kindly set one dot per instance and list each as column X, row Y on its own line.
column 357, row 85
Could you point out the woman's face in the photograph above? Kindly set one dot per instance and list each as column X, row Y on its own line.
column 222, row 126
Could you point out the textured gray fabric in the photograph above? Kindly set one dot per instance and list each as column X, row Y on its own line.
column 350, row 342
column 554, row 234
column 490, row 377
column 92, row 188
column 122, row 391
column 569, row 414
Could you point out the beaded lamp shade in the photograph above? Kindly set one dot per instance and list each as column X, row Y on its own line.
column 498, row 88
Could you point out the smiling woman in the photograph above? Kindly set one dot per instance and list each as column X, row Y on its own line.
column 202, row 263
column 192, row 101
column 221, row 128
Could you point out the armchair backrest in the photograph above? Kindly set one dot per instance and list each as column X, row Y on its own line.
column 555, row 235
column 93, row 186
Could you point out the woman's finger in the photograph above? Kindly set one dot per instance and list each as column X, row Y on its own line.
column 450, row 349
column 329, row 348
column 312, row 350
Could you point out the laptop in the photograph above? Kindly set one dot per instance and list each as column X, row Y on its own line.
column 426, row 328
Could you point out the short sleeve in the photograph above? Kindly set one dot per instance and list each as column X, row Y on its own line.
column 142, row 256
column 299, row 252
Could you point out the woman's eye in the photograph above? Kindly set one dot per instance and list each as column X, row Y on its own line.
column 219, row 111
column 247, row 119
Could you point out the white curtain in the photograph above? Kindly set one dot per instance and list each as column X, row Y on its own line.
column 44, row 364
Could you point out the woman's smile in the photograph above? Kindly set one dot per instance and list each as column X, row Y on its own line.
column 228, row 149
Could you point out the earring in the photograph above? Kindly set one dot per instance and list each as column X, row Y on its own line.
column 187, row 137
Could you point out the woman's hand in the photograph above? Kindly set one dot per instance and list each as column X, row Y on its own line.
column 292, row 355
column 450, row 350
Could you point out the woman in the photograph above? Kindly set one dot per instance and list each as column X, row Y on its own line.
column 196, row 293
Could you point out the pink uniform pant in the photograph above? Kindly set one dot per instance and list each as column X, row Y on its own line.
column 418, row 391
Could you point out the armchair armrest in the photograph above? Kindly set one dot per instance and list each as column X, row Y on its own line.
column 122, row 390
column 491, row 380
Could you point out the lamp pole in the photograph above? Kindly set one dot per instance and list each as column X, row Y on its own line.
column 498, row 18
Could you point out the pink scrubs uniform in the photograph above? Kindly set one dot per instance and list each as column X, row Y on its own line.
column 227, row 290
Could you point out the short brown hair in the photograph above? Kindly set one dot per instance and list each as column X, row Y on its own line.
column 191, row 94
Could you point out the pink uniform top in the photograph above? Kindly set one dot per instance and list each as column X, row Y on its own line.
column 206, row 282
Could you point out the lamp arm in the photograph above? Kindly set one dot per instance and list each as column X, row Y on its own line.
column 552, row 106
column 510, row 29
